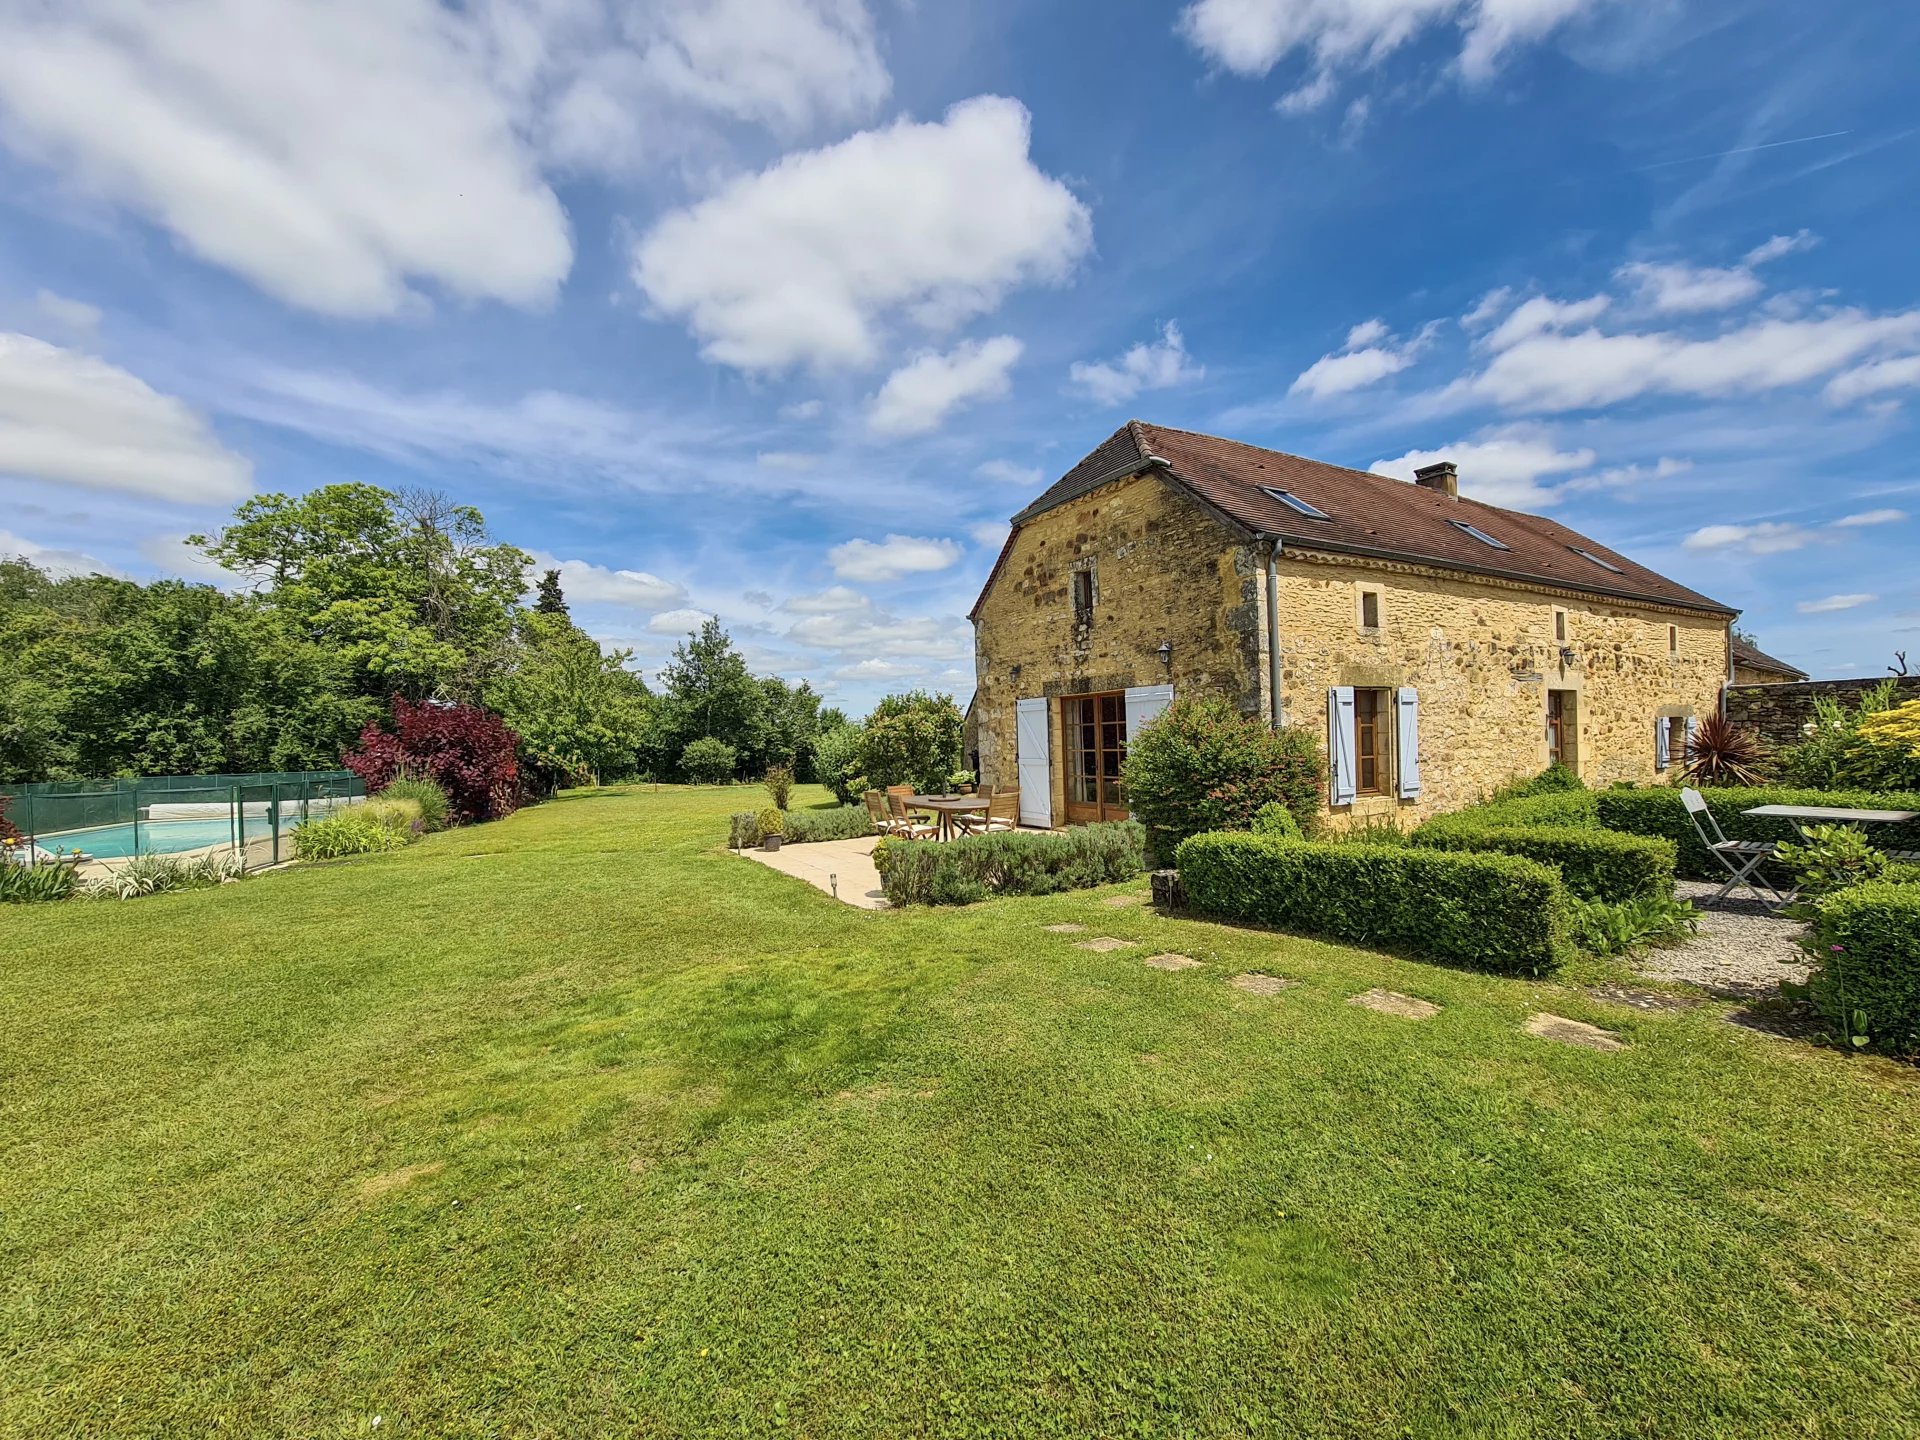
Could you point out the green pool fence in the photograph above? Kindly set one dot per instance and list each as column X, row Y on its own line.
column 106, row 821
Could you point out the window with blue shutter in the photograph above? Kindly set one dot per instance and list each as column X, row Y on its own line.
column 1407, row 740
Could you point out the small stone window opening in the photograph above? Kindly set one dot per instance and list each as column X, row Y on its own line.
column 1082, row 596
column 1560, row 627
column 1369, row 609
column 1673, row 639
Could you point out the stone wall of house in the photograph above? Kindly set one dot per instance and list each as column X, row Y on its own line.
column 1483, row 654
column 1165, row 571
column 1779, row 713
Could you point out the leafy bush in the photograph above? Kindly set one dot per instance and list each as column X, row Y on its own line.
column 1569, row 810
column 960, row 779
column 1888, row 749
column 345, row 832
column 1720, row 752
column 1488, row 912
column 467, row 751
column 1556, row 779
column 35, row 884
column 1826, row 758
column 1275, row 819
column 160, row 874
column 836, row 761
column 912, row 739
column 770, row 821
column 9, row 832
column 1865, row 944
column 431, row 799
column 779, row 783
column 1201, row 765
column 708, row 761
column 1372, row 830
column 1595, row 864
column 974, row 867
column 1831, row 858
column 1603, row 927
column 1657, row 810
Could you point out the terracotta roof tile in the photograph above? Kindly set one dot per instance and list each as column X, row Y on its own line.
column 1369, row 514
column 1754, row 658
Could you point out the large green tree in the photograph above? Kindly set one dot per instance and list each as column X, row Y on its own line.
column 912, row 739
column 577, row 708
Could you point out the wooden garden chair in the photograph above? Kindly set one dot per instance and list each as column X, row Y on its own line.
column 877, row 812
column 904, row 825
column 1003, row 813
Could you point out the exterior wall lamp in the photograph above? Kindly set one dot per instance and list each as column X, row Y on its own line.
column 1165, row 652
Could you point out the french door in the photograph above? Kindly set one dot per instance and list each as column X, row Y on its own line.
column 1095, row 746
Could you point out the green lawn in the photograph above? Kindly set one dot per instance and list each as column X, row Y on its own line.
column 575, row 1125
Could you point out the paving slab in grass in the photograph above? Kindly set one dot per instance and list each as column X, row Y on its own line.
column 1257, row 984
column 1392, row 1002
column 1118, row 902
column 1106, row 943
column 1638, row 997
column 1067, row 929
column 1572, row 1032
column 1171, row 961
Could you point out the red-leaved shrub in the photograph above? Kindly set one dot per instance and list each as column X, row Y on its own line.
column 468, row 751
column 8, row 831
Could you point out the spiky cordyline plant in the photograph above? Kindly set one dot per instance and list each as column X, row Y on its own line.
column 1720, row 752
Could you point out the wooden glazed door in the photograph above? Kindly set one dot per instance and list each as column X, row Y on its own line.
column 1094, row 748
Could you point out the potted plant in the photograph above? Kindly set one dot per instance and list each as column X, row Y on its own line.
column 773, row 827
column 961, row 782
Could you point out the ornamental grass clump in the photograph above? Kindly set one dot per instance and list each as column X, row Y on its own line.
column 423, row 792
column 1720, row 752
column 345, row 832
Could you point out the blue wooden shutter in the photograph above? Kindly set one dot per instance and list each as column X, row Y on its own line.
column 1340, row 744
column 1407, row 741
column 1662, row 756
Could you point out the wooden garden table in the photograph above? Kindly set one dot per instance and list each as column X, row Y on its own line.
column 945, row 807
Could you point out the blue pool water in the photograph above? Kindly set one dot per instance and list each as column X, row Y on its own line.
column 158, row 837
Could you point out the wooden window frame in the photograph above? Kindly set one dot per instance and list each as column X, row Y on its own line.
column 1374, row 723
column 1562, row 733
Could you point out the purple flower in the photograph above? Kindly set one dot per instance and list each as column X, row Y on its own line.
column 1838, row 949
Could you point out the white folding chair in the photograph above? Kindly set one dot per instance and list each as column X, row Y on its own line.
column 1741, row 859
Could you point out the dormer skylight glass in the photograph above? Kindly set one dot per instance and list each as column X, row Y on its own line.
column 1603, row 564
column 1294, row 502
column 1477, row 533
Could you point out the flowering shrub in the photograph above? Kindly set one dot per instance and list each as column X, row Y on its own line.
column 468, row 752
column 1887, row 751
column 9, row 832
column 1202, row 765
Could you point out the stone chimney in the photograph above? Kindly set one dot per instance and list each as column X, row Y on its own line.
column 1443, row 476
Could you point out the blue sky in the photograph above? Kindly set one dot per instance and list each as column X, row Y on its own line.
column 776, row 309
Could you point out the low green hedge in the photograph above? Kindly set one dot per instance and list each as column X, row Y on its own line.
column 1595, row 864
column 1657, row 810
column 838, row 822
column 975, row 867
column 1501, row 913
column 1866, row 942
column 1570, row 809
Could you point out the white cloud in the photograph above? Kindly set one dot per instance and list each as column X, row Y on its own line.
column 1250, row 37
column 1501, row 468
column 678, row 622
column 834, row 600
column 1146, row 366
column 172, row 555
column 1486, row 307
column 879, row 635
column 809, row 261
column 991, row 534
column 1868, row 518
column 891, row 558
column 788, row 460
column 1539, row 315
column 585, row 583
column 1620, row 477
column 1673, row 288
column 1780, row 246
column 1834, row 603
column 1006, row 472
column 73, row 419
column 56, row 562
column 337, row 153
column 1900, row 373
column 1547, row 372
column 1768, row 537
column 75, row 317
column 921, row 394
column 803, row 410
column 1370, row 355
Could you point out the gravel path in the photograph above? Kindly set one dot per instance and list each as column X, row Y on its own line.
column 1742, row 951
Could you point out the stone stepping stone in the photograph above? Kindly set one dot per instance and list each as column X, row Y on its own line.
column 1067, row 929
column 1118, row 902
column 1639, row 998
column 1106, row 943
column 1257, row 984
column 1171, row 961
column 1392, row 1002
column 1572, row 1032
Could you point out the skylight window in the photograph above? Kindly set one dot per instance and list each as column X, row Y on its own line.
column 1477, row 533
column 1603, row 564
column 1294, row 502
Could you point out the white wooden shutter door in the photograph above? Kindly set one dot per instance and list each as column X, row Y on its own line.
column 1407, row 738
column 1032, row 737
column 1144, row 703
column 1661, row 756
column 1340, row 744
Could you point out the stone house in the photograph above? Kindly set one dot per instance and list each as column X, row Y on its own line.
column 1753, row 666
column 1436, row 645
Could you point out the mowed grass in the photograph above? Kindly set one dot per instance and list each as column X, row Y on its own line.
column 576, row 1125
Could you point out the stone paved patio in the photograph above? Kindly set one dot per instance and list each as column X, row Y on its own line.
column 843, row 868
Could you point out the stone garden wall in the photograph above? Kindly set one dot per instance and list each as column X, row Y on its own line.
column 1779, row 713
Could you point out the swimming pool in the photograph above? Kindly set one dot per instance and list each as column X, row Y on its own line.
column 156, row 837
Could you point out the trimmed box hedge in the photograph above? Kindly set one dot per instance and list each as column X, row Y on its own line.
column 1010, row 862
column 1570, row 809
column 1596, row 864
column 1658, row 811
column 1502, row 913
column 1866, row 940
